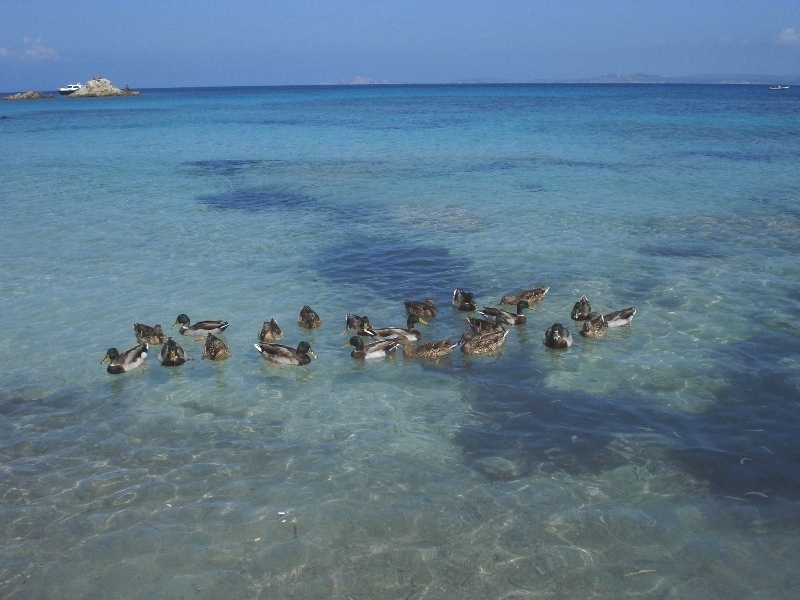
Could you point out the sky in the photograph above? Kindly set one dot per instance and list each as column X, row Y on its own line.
column 45, row 44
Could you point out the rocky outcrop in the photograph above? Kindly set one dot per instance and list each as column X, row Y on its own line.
column 28, row 96
column 101, row 88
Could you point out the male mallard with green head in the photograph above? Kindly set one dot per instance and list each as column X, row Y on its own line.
column 127, row 361
column 618, row 318
column 409, row 333
column 379, row 349
column 200, row 329
column 503, row 316
column 286, row 355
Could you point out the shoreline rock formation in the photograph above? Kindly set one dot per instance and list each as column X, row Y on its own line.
column 28, row 96
column 100, row 87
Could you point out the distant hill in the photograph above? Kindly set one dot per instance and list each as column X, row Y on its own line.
column 714, row 79
column 359, row 81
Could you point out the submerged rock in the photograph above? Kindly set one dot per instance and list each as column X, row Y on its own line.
column 28, row 96
column 100, row 87
column 497, row 467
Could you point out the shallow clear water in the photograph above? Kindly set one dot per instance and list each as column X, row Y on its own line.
column 660, row 461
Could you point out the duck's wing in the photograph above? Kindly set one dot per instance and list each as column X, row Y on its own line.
column 380, row 348
column 620, row 317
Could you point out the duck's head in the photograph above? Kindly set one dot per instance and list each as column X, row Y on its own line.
column 522, row 304
column 356, row 342
column 581, row 309
column 181, row 320
column 172, row 350
column 412, row 319
column 112, row 354
column 596, row 317
column 366, row 325
column 305, row 348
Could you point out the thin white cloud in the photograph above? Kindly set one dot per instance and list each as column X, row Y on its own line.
column 789, row 37
column 33, row 51
column 37, row 52
column 730, row 41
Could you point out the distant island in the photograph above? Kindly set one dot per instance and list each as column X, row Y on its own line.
column 707, row 79
column 99, row 87
column 359, row 81
column 28, row 96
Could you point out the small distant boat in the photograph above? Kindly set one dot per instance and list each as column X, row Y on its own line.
column 779, row 87
column 68, row 89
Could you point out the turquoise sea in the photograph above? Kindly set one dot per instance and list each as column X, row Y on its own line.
column 661, row 461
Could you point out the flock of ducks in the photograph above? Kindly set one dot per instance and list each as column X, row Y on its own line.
column 483, row 336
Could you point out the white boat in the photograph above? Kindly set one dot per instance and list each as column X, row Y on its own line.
column 779, row 87
column 68, row 89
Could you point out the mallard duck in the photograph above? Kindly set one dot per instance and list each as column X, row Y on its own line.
column 533, row 295
column 464, row 300
column 472, row 343
column 127, row 361
column 594, row 326
column 286, row 355
column 200, row 329
column 503, row 316
column 410, row 333
column 557, row 336
column 270, row 332
column 355, row 324
column 618, row 318
column 581, row 309
column 151, row 335
column 172, row 355
column 437, row 349
column 379, row 349
column 421, row 309
column 360, row 325
column 480, row 326
column 215, row 348
column 308, row 318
